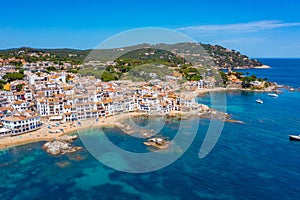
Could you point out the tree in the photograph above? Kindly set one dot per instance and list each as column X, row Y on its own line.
column 21, row 71
column 2, row 83
column 51, row 68
column 19, row 87
column 13, row 76
column 74, row 71
column 106, row 76
column 224, row 77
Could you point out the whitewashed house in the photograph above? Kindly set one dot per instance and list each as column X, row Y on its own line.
column 22, row 123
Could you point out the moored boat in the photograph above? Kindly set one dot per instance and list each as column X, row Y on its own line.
column 294, row 137
column 259, row 101
column 272, row 95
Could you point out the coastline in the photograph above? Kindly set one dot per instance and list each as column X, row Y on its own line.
column 262, row 67
column 221, row 89
column 71, row 127
column 257, row 67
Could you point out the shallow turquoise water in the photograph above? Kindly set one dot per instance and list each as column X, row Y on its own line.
column 254, row 160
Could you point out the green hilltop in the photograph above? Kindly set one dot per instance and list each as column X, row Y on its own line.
column 219, row 56
column 192, row 61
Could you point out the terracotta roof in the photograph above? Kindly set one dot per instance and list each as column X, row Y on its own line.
column 59, row 95
column 42, row 100
column 19, row 93
column 163, row 104
column 18, row 118
column 5, row 108
column 109, row 100
column 18, row 102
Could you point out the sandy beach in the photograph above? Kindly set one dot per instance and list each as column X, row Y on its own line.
column 43, row 134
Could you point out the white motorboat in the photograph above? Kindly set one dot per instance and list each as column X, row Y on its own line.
column 272, row 95
column 294, row 137
column 259, row 101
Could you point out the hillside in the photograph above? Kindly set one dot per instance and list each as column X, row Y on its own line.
column 230, row 58
column 221, row 57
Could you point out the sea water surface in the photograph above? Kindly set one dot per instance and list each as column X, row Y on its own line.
column 254, row 160
column 282, row 71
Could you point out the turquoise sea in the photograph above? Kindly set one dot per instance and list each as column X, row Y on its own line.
column 254, row 160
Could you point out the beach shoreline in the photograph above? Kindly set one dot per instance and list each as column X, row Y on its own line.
column 72, row 127
column 69, row 128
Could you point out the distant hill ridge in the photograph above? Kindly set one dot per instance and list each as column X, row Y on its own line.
column 221, row 56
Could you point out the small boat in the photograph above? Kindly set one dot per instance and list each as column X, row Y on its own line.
column 259, row 101
column 272, row 95
column 294, row 137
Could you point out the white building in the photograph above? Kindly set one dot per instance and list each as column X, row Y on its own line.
column 51, row 106
column 8, row 95
column 21, row 106
column 5, row 132
column 21, row 123
column 255, row 83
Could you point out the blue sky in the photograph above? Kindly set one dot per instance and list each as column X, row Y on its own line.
column 256, row 28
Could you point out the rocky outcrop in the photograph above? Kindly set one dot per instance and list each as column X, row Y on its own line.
column 204, row 108
column 159, row 142
column 68, row 138
column 222, row 116
column 61, row 146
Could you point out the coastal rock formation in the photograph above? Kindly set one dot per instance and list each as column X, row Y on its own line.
column 68, row 138
column 204, row 107
column 61, row 146
column 158, row 142
column 204, row 111
column 213, row 114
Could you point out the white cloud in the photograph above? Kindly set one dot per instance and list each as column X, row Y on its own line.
column 239, row 27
